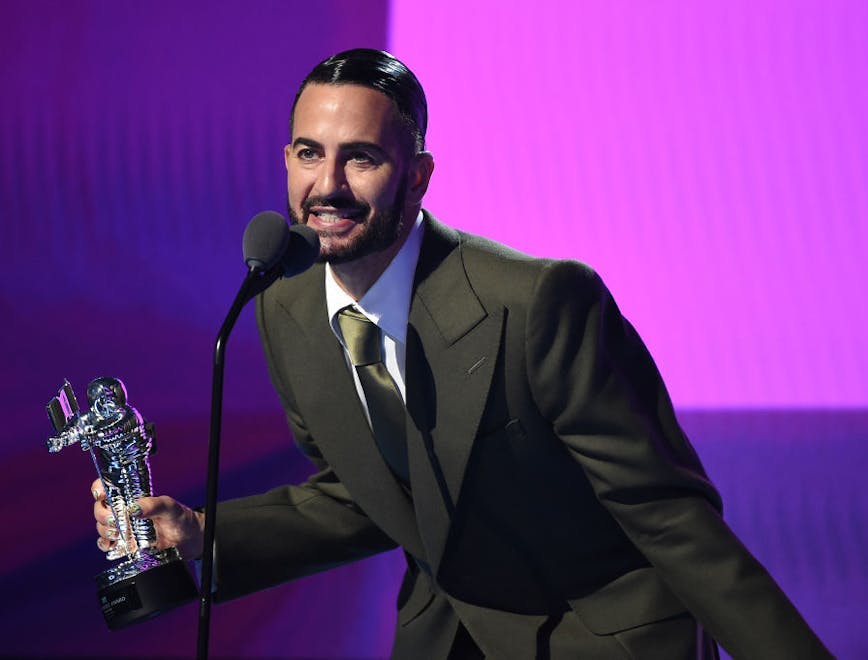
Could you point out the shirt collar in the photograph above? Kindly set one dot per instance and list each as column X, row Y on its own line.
column 387, row 302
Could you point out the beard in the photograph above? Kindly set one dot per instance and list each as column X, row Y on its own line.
column 379, row 231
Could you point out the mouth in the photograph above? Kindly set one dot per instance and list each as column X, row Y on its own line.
column 334, row 219
column 327, row 215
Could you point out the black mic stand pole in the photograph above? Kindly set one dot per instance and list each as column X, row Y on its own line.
column 255, row 282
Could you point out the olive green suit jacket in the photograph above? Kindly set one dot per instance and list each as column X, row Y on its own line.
column 556, row 508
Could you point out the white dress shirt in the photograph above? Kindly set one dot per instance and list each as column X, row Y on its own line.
column 386, row 304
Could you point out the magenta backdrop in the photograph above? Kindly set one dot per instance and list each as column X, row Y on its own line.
column 709, row 160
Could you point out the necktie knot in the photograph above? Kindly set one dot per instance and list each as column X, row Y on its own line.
column 361, row 336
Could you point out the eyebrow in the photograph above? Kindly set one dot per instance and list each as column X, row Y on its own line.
column 344, row 146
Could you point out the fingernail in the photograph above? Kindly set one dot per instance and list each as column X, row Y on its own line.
column 134, row 510
column 95, row 494
column 112, row 534
column 110, row 521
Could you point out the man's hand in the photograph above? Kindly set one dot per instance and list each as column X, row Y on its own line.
column 176, row 524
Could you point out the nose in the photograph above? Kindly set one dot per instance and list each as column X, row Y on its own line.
column 332, row 178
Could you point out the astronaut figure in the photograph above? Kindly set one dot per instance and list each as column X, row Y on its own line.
column 119, row 442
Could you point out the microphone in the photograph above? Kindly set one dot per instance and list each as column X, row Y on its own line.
column 268, row 240
column 272, row 249
column 265, row 240
column 302, row 251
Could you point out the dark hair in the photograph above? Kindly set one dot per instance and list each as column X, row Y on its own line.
column 381, row 71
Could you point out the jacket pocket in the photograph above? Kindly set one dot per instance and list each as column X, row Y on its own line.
column 634, row 599
column 510, row 431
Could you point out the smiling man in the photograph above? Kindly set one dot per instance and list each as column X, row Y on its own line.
column 354, row 174
column 492, row 414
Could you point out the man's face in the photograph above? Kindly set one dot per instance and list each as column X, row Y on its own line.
column 346, row 169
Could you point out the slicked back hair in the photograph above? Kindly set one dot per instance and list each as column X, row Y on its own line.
column 383, row 72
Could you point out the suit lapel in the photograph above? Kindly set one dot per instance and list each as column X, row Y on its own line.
column 452, row 347
column 336, row 420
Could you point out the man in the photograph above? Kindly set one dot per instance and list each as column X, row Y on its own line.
column 545, row 497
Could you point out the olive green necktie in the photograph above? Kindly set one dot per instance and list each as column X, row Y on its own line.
column 385, row 405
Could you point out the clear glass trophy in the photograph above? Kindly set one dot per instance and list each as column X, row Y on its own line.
column 146, row 581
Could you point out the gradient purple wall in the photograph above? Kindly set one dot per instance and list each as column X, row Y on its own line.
column 709, row 161
column 136, row 140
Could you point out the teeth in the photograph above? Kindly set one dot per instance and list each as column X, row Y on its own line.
column 331, row 217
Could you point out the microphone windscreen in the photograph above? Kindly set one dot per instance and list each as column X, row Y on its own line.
column 303, row 250
column 266, row 239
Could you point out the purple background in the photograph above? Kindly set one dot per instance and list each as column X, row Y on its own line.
column 710, row 161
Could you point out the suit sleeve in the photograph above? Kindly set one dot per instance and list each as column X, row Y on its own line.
column 594, row 380
column 290, row 531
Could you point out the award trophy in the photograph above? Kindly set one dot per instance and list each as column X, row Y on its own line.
column 147, row 581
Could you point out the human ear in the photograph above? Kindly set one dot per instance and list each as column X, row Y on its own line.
column 420, row 174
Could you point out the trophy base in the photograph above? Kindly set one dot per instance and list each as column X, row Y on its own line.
column 146, row 594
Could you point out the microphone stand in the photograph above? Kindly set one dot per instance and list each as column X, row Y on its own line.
column 254, row 283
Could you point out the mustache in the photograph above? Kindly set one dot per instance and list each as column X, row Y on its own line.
column 336, row 201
